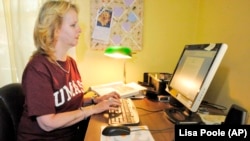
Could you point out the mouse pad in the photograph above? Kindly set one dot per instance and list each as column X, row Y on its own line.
column 138, row 133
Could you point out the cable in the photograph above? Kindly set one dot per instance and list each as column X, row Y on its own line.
column 149, row 110
column 154, row 130
column 212, row 105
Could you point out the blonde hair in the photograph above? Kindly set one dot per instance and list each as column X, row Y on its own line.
column 48, row 22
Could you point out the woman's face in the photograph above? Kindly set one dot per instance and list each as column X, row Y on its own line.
column 70, row 29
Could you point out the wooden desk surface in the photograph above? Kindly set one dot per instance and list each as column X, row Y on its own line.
column 154, row 121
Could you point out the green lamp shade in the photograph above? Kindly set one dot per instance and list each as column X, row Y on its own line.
column 118, row 52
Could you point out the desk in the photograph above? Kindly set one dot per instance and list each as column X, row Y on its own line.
column 154, row 120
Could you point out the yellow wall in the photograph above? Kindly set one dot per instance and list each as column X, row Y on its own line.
column 168, row 26
column 228, row 21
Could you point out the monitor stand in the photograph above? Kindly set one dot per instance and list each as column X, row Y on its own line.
column 182, row 116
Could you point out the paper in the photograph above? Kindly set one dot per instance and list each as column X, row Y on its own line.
column 212, row 119
column 135, row 135
column 102, row 27
column 124, row 90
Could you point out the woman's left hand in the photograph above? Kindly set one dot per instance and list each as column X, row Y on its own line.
column 107, row 97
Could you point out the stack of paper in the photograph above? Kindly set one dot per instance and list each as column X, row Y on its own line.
column 137, row 133
column 124, row 90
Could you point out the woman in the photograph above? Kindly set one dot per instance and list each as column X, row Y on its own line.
column 51, row 80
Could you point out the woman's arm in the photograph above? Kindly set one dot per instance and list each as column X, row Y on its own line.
column 51, row 122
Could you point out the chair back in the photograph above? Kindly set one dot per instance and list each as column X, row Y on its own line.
column 11, row 108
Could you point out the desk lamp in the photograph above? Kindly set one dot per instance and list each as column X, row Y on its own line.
column 120, row 52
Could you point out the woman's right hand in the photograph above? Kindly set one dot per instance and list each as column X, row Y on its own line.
column 105, row 105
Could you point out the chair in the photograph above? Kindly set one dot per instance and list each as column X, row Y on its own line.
column 11, row 107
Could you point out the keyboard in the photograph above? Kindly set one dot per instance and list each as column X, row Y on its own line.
column 126, row 114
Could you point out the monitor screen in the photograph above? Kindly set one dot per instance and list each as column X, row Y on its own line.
column 194, row 72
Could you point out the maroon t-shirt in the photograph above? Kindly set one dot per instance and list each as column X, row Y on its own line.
column 49, row 90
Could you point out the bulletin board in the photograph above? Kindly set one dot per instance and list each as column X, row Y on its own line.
column 116, row 22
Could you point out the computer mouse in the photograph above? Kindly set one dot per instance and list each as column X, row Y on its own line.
column 112, row 130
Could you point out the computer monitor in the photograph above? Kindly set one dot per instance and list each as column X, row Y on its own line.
column 191, row 78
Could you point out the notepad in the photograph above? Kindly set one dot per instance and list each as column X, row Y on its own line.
column 138, row 133
column 124, row 90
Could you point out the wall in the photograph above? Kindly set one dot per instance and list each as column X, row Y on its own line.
column 168, row 26
column 228, row 21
